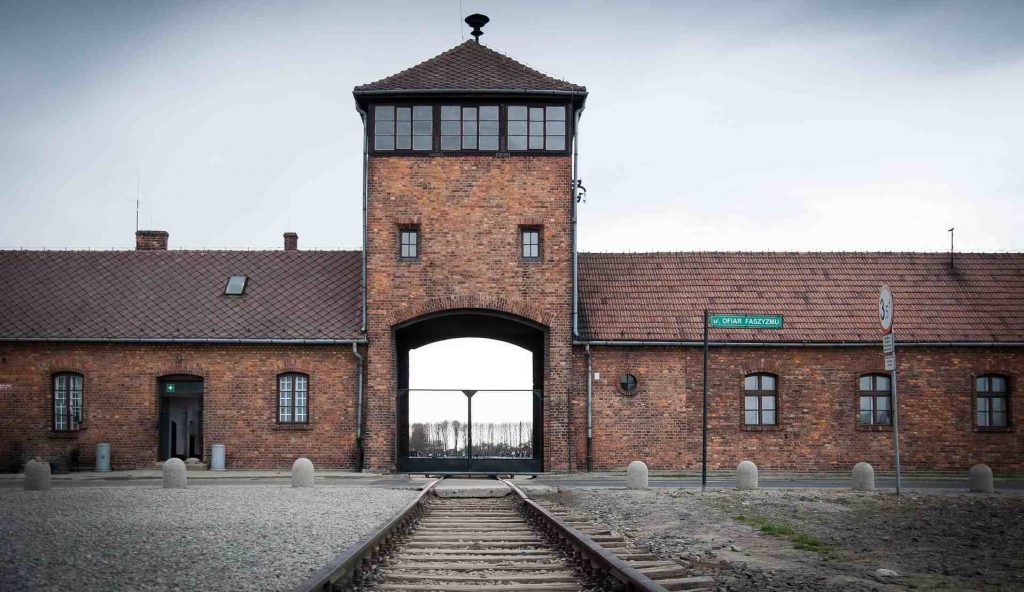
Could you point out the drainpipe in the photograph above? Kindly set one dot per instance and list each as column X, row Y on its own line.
column 359, row 407
column 575, row 257
column 366, row 165
column 590, row 407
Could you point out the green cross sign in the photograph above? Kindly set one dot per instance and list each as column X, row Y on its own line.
column 743, row 321
column 169, row 387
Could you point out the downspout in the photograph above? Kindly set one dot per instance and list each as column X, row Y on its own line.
column 590, row 415
column 366, row 165
column 575, row 204
column 359, row 407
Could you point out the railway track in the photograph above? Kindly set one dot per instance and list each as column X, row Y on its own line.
column 506, row 544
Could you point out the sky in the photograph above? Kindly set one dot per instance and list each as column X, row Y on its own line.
column 839, row 125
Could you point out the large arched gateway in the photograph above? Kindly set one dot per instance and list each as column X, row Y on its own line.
column 437, row 429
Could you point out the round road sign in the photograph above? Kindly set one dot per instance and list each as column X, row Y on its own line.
column 885, row 309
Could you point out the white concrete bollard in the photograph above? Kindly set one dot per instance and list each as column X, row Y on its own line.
column 302, row 473
column 636, row 475
column 746, row 475
column 863, row 477
column 174, row 474
column 37, row 476
column 979, row 479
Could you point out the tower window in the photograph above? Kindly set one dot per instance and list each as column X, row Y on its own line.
column 403, row 128
column 530, row 239
column 408, row 243
column 536, row 128
column 469, row 128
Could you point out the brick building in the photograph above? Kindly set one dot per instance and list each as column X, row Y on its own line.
column 470, row 194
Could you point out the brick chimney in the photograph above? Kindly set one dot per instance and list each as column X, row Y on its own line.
column 151, row 240
column 291, row 241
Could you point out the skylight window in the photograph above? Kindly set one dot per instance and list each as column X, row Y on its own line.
column 236, row 285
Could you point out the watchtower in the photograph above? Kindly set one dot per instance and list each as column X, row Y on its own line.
column 469, row 231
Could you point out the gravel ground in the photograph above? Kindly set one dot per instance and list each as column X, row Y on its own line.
column 266, row 537
column 822, row 540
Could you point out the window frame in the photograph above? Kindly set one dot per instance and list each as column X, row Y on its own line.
column 371, row 130
column 436, row 103
column 525, row 228
column 462, row 105
column 70, row 426
column 402, row 229
column 636, row 384
column 988, row 395
column 760, row 393
column 293, row 406
column 567, row 135
column 875, row 395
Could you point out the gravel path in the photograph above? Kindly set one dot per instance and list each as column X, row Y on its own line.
column 266, row 537
column 822, row 540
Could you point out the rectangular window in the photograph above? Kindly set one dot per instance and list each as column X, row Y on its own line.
column 530, row 240
column 536, row 128
column 469, row 128
column 408, row 243
column 403, row 128
column 293, row 398
column 875, row 406
column 759, row 399
column 67, row 402
column 992, row 402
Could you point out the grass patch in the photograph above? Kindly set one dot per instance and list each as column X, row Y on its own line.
column 800, row 540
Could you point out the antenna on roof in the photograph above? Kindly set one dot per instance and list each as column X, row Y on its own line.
column 477, row 21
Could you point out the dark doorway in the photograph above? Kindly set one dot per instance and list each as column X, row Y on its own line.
column 181, row 417
column 472, row 428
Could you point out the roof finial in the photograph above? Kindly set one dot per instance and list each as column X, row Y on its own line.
column 476, row 21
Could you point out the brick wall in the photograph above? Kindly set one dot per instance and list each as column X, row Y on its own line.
column 469, row 210
column 121, row 402
column 817, row 400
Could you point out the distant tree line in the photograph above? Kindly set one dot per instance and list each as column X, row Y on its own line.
column 450, row 438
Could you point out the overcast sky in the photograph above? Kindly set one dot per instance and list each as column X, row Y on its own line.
column 710, row 126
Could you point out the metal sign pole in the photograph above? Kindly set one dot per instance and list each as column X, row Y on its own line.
column 704, row 439
column 895, row 417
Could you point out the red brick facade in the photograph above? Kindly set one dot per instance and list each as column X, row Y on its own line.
column 120, row 402
column 468, row 210
column 817, row 408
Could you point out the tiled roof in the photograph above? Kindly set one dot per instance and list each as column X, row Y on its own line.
column 826, row 297
column 312, row 295
column 470, row 66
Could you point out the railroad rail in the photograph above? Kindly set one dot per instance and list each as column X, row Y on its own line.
column 509, row 543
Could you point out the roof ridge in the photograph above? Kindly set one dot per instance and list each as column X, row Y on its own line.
column 469, row 66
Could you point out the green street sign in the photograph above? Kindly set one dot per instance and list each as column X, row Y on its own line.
column 742, row 321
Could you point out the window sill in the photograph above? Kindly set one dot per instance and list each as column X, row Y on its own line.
column 67, row 435
column 292, row 427
column 760, row 428
column 874, row 428
column 993, row 430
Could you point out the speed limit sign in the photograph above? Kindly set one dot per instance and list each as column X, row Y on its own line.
column 885, row 309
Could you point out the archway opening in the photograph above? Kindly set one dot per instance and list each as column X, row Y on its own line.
column 470, row 393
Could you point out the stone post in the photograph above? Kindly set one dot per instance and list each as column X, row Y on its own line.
column 636, row 475
column 37, row 476
column 979, row 479
column 174, row 474
column 746, row 475
column 863, row 477
column 302, row 473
